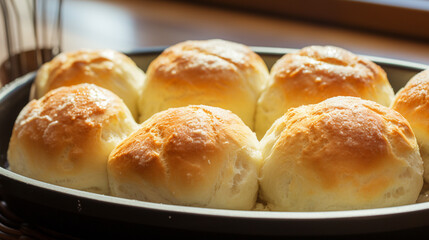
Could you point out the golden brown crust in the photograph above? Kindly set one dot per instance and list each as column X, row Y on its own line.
column 65, row 137
column 67, row 120
column 174, row 139
column 412, row 101
column 187, row 152
column 71, row 68
column 106, row 68
column 342, row 142
column 316, row 73
column 204, row 63
column 210, row 72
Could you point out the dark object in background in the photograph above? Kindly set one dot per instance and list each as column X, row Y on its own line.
column 46, row 41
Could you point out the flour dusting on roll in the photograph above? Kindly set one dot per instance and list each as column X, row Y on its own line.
column 106, row 68
column 412, row 101
column 212, row 72
column 195, row 156
column 314, row 74
column 66, row 136
column 344, row 153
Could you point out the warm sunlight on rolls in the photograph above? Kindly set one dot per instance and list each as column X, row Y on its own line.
column 103, row 67
column 209, row 126
column 344, row 153
column 314, row 74
column 412, row 102
column 66, row 136
column 211, row 72
column 195, row 156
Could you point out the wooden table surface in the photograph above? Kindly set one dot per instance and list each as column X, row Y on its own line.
column 126, row 25
column 129, row 24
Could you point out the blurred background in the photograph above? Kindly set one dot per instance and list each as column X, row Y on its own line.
column 384, row 28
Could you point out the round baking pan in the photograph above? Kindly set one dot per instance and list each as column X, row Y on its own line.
column 88, row 214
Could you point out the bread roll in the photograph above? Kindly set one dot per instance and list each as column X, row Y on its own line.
column 104, row 67
column 314, row 74
column 412, row 102
column 341, row 154
column 195, row 155
column 211, row 72
column 65, row 137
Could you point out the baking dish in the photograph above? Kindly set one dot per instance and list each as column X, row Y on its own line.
column 71, row 210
